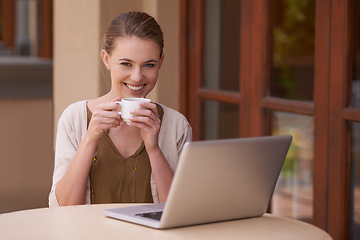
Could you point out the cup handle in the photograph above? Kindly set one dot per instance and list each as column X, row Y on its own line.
column 119, row 103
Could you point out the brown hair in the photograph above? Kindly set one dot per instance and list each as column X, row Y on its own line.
column 138, row 24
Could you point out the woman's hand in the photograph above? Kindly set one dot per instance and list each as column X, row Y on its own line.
column 148, row 120
column 104, row 117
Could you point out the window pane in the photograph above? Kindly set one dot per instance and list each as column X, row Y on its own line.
column 23, row 71
column 222, row 34
column 221, row 120
column 355, row 181
column 293, row 33
column 293, row 194
column 355, row 99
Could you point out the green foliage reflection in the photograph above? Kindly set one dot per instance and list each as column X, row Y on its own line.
column 294, row 37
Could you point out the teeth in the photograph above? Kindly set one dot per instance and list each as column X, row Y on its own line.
column 135, row 88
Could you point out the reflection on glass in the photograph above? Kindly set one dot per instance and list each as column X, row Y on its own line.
column 222, row 41
column 293, row 194
column 221, row 120
column 26, row 28
column 355, row 181
column 293, row 33
column 355, row 98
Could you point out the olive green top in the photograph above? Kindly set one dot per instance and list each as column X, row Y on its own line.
column 115, row 179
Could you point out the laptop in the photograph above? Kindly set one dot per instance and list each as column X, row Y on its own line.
column 215, row 180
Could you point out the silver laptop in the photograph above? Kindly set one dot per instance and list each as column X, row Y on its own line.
column 216, row 180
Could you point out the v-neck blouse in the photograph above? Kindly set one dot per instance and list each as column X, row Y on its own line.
column 115, row 179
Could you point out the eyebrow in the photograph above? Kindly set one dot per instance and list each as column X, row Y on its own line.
column 128, row 60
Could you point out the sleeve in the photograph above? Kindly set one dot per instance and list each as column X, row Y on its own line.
column 176, row 132
column 186, row 136
column 67, row 144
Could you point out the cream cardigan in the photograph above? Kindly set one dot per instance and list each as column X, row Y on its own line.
column 175, row 131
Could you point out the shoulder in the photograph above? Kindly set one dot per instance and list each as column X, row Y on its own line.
column 74, row 110
column 74, row 115
column 174, row 132
column 174, row 123
column 173, row 116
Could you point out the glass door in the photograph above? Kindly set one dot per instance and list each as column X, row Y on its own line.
column 271, row 67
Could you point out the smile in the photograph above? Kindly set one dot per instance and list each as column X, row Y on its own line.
column 135, row 88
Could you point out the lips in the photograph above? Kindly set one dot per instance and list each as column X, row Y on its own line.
column 134, row 87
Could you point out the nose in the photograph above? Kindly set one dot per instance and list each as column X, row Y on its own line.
column 136, row 74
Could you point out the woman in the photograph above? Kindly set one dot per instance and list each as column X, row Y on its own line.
column 98, row 157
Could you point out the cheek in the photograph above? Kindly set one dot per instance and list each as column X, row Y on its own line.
column 117, row 74
column 152, row 75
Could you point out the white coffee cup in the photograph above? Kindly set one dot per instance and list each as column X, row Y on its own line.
column 129, row 104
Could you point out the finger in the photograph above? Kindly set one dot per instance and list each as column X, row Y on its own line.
column 109, row 121
column 144, row 122
column 143, row 112
column 148, row 109
column 109, row 106
column 151, row 106
column 104, row 122
column 142, row 119
column 143, row 126
column 116, row 99
column 106, row 114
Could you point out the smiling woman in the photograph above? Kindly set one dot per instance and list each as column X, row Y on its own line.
column 101, row 159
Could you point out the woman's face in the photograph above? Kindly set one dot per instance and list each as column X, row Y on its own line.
column 134, row 64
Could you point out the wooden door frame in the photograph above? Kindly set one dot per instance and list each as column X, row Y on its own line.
column 46, row 36
column 191, row 59
column 339, row 172
column 8, row 17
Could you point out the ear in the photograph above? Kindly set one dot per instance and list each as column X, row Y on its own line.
column 161, row 60
column 105, row 58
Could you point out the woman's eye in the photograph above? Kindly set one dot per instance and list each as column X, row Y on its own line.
column 149, row 65
column 126, row 63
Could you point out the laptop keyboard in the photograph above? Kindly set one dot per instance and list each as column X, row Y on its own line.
column 152, row 215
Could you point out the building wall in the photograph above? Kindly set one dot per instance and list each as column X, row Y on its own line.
column 76, row 56
column 26, row 153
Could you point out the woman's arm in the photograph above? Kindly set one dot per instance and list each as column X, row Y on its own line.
column 71, row 188
column 163, row 175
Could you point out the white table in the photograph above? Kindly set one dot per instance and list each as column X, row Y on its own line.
column 88, row 222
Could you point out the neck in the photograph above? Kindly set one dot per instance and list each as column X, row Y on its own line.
column 109, row 97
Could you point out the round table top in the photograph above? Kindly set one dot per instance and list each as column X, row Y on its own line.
column 89, row 222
